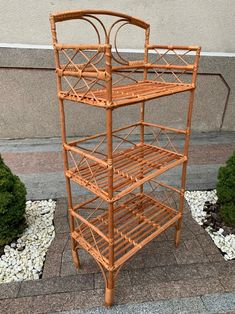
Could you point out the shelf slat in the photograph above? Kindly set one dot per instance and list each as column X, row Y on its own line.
column 137, row 221
column 131, row 168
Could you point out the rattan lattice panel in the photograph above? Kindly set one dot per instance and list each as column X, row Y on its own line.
column 131, row 168
column 137, row 221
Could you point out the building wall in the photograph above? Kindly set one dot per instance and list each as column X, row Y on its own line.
column 209, row 23
column 28, row 93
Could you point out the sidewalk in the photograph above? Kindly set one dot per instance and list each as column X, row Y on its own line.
column 160, row 279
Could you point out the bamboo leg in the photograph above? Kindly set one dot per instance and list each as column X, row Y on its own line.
column 184, row 169
column 109, row 290
column 68, row 186
column 73, row 243
column 181, row 206
column 142, row 110
column 178, row 232
column 142, row 142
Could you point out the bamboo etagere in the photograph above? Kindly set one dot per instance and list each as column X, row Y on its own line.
column 128, row 206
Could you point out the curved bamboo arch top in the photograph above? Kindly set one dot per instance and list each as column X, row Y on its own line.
column 70, row 15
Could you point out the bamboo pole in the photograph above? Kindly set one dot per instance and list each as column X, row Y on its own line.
column 65, row 156
column 109, row 291
column 186, row 148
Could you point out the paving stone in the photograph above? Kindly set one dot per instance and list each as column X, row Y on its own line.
column 9, row 290
column 185, row 288
column 56, row 285
column 189, row 271
column 186, row 211
column 87, row 263
column 59, row 242
column 68, row 269
column 68, row 244
column 224, row 268
column 123, row 279
column 190, row 258
column 186, row 233
column 132, row 294
column 193, row 226
column 62, row 201
column 17, row 306
column 53, row 303
column 217, row 303
column 67, row 256
column 193, row 245
column 190, row 252
column 215, row 257
column 228, row 283
column 207, row 244
column 136, row 262
column 61, row 224
column 159, row 259
column 84, row 256
column 160, row 237
column 160, row 247
column 61, row 209
column 89, row 299
column 52, row 265
column 141, row 277
column 38, row 304
column 178, row 306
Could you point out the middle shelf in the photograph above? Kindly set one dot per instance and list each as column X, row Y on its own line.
column 132, row 165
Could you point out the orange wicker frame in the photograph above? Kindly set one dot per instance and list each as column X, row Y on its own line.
column 121, row 221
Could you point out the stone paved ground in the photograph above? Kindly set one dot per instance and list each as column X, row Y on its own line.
column 160, row 279
column 208, row 304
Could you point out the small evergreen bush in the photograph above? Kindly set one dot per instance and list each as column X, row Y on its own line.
column 226, row 191
column 12, row 205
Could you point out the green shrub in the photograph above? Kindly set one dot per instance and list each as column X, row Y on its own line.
column 12, row 205
column 226, row 191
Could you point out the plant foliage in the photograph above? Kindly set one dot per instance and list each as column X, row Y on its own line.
column 12, row 205
column 226, row 191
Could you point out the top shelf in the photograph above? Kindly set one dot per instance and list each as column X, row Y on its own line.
column 126, row 94
column 93, row 70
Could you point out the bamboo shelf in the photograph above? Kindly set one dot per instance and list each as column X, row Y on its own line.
column 131, row 168
column 135, row 226
column 128, row 205
column 131, row 93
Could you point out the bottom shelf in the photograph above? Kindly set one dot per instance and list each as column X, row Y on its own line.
column 136, row 222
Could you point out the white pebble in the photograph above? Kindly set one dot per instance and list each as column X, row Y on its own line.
column 24, row 259
column 196, row 201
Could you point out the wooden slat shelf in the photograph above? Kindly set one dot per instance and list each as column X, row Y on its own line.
column 127, row 94
column 138, row 220
column 131, row 168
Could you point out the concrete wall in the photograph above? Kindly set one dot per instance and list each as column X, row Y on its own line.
column 209, row 23
column 28, row 93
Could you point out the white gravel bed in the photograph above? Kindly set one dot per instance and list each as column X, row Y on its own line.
column 196, row 201
column 23, row 259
